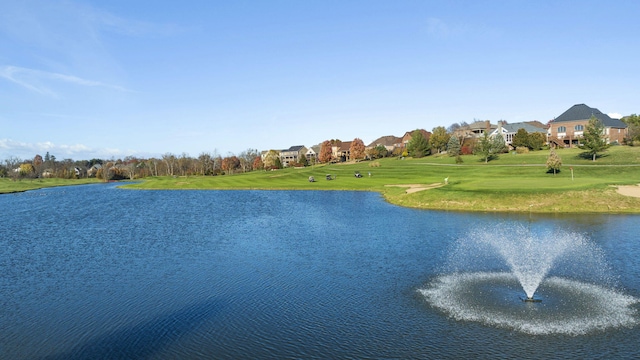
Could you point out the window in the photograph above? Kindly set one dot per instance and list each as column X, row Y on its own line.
column 562, row 129
column 579, row 127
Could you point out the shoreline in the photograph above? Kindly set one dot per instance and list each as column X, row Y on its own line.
column 630, row 191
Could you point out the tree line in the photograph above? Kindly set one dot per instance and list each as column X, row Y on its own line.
column 130, row 167
column 441, row 140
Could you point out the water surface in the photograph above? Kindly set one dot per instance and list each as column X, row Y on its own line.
column 93, row 272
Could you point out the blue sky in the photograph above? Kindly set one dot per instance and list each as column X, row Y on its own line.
column 109, row 79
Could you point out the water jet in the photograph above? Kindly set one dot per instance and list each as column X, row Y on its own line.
column 487, row 269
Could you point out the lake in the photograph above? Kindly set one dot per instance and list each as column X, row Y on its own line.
column 94, row 271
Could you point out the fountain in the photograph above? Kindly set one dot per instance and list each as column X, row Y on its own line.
column 567, row 284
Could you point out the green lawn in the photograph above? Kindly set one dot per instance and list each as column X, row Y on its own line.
column 512, row 183
column 10, row 186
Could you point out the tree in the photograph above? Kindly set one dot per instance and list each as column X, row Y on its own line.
column 553, row 162
column 593, row 140
column 325, row 152
column 26, row 170
column 204, row 163
column 537, row 140
column 246, row 159
column 37, row 164
column 488, row 148
column 357, row 149
column 377, row 152
column 230, row 163
column 170, row 160
column 418, row 145
column 521, row 139
column 633, row 128
column 131, row 165
column 453, row 146
column 439, row 139
column 257, row 163
column 184, row 164
column 272, row 160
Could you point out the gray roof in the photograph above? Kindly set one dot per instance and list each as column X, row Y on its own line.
column 513, row 128
column 295, row 148
column 583, row 112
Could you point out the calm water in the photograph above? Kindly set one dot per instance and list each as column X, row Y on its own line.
column 93, row 272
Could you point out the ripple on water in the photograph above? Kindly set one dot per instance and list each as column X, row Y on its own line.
column 568, row 306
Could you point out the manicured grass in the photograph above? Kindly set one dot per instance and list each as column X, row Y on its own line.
column 512, row 183
column 10, row 186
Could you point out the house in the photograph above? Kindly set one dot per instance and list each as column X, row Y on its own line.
column 390, row 142
column 568, row 128
column 507, row 131
column 312, row 154
column 479, row 128
column 407, row 136
column 93, row 170
column 341, row 150
column 47, row 173
column 292, row 154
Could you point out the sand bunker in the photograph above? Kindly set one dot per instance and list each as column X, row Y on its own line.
column 629, row 190
column 411, row 188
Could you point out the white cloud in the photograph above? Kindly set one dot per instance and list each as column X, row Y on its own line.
column 23, row 150
column 38, row 80
column 615, row 115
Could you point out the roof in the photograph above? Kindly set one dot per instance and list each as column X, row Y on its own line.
column 388, row 140
column 345, row 145
column 583, row 112
column 513, row 128
column 295, row 148
column 424, row 132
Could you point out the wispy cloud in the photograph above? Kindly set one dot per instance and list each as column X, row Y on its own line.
column 24, row 150
column 36, row 80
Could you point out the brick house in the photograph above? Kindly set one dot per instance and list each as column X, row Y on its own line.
column 567, row 129
column 407, row 137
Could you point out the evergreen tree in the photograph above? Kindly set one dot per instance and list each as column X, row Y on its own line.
column 593, row 140
column 453, row 146
column 418, row 145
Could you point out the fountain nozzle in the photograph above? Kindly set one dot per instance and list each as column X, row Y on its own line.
column 530, row 299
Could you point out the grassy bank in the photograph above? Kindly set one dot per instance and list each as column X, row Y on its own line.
column 512, row 183
column 11, row 186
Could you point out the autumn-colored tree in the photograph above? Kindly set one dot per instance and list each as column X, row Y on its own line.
column 272, row 160
column 357, row 149
column 257, row 163
column 37, row 164
column 553, row 162
column 230, row 163
column 325, row 152
column 26, row 170
column 439, row 139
